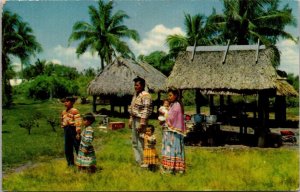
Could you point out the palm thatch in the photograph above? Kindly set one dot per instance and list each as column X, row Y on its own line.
column 284, row 88
column 217, row 70
column 117, row 78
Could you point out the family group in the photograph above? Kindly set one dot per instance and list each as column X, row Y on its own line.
column 143, row 140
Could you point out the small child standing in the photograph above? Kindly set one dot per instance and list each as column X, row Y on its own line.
column 86, row 158
column 163, row 111
column 150, row 155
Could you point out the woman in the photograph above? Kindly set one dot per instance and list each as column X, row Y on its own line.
column 173, row 160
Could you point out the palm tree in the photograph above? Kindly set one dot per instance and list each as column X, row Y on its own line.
column 199, row 31
column 103, row 34
column 27, row 43
column 18, row 41
column 244, row 22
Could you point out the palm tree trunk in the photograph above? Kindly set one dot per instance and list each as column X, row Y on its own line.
column 102, row 62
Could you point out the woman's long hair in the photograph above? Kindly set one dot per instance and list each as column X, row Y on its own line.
column 176, row 92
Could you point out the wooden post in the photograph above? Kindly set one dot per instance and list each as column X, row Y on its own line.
column 94, row 103
column 197, row 101
column 263, row 118
column 112, row 105
column 280, row 110
column 211, row 105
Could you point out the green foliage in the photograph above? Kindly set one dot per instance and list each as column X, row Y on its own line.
column 159, row 60
column 30, row 122
column 53, row 120
column 293, row 80
column 244, row 22
column 292, row 101
column 45, row 87
column 82, row 83
column 188, row 97
column 17, row 40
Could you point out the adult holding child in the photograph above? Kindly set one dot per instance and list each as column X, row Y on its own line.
column 71, row 123
column 139, row 110
column 173, row 156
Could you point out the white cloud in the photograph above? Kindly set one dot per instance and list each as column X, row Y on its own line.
column 67, row 56
column 289, row 59
column 154, row 40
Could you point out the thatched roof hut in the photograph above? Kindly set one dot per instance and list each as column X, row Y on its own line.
column 227, row 70
column 117, row 78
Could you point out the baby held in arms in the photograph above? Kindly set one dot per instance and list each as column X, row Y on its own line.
column 163, row 111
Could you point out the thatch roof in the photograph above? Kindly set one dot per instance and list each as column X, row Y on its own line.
column 284, row 88
column 245, row 69
column 117, row 78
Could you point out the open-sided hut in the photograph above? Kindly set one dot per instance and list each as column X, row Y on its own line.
column 115, row 81
column 230, row 70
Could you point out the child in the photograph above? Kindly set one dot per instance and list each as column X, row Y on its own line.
column 70, row 122
column 150, row 154
column 86, row 158
column 163, row 111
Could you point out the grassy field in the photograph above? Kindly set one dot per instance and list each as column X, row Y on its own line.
column 218, row 168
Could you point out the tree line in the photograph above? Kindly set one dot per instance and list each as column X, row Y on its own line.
column 241, row 22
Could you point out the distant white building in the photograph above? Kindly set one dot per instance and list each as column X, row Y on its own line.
column 14, row 82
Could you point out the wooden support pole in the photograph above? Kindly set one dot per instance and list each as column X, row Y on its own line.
column 193, row 54
column 256, row 57
column 94, row 103
column 197, row 101
column 263, row 118
column 225, row 54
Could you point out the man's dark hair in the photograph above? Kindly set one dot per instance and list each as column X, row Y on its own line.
column 141, row 80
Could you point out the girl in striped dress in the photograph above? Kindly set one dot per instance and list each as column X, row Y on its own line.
column 150, row 155
column 86, row 158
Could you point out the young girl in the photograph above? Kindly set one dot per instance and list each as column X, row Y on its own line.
column 150, row 154
column 71, row 123
column 86, row 158
column 163, row 111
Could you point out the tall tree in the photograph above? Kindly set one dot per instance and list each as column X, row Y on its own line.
column 104, row 32
column 244, row 22
column 199, row 31
column 17, row 40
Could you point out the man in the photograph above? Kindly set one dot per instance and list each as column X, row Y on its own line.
column 139, row 110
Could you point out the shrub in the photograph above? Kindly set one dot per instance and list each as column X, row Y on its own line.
column 45, row 87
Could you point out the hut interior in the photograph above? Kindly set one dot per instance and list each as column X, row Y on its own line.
column 233, row 70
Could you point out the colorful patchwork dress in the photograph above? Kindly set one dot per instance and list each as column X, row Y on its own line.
column 150, row 156
column 86, row 156
column 173, row 159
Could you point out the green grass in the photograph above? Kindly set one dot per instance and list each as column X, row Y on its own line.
column 207, row 168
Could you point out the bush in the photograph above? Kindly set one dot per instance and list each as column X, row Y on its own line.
column 188, row 97
column 45, row 87
column 292, row 101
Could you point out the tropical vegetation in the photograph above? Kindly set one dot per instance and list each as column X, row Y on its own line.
column 103, row 34
column 31, row 133
column 18, row 40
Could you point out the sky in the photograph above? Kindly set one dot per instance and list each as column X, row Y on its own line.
column 52, row 23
